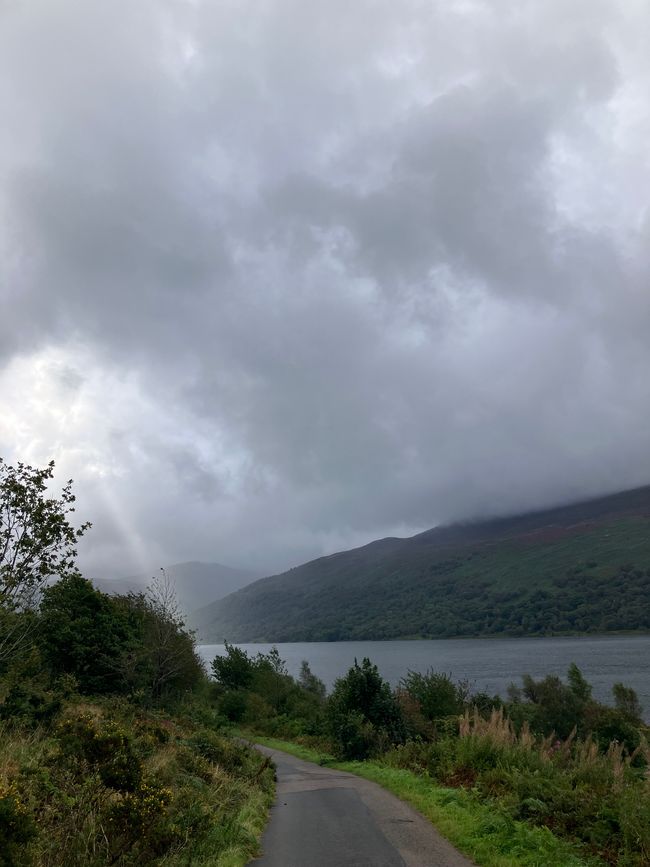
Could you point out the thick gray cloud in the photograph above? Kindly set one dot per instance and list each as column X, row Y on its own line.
column 282, row 277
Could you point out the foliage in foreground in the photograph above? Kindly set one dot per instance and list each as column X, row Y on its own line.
column 108, row 783
column 549, row 777
column 489, row 837
column 110, row 749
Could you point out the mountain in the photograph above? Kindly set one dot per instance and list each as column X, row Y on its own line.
column 583, row 567
column 196, row 584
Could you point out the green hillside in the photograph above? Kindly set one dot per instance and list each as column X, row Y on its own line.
column 578, row 568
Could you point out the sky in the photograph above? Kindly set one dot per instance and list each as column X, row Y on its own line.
column 278, row 278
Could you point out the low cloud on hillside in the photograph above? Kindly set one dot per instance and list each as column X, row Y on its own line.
column 279, row 278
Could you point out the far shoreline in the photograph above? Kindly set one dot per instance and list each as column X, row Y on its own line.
column 629, row 633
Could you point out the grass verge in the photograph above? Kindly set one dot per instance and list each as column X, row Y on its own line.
column 482, row 832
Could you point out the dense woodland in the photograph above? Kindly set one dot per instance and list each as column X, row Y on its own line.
column 512, row 577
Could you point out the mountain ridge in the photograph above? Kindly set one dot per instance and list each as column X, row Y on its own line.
column 517, row 555
column 195, row 582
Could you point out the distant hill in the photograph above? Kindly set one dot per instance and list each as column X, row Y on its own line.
column 196, row 584
column 584, row 567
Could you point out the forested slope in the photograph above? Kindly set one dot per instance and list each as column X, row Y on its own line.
column 578, row 568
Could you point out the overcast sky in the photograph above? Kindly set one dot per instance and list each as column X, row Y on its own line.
column 281, row 277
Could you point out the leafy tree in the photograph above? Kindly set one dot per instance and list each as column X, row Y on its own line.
column 609, row 724
column 363, row 713
column 271, row 679
column 117, row 644
column 627, row 702
column 272, row 661
column 436, row 693
column 37, row 541
column 168, row 644
column 577, row 683
column 259, row 690
column 310, row 682
column 87, row 634
column 234, row 670
column 555, row 707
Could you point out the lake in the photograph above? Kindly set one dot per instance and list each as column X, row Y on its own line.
column 490, row 664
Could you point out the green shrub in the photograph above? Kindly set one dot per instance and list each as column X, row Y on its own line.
column 221, row 751
column 109, row 750
column 16, row 827
column 87, row 634
column 437, row 695
column 356, row 738
column 257, row 711
column 233, row 704
column 607, row 724
column 635, row 825
column 364, row 716
column 555, row 707
column 30, row 705
column 138, row 824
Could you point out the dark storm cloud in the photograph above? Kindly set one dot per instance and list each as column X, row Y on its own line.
column 280, row 277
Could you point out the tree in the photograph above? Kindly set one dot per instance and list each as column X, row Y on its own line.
column 436, row 693
column 37, row 541
column 117, row 644
column 363, row 714
column 310, row 682
column 169, row 644
column 579, row 686
column 556, row 708
column 627, row 702
column 86, row 633
column 234, row 670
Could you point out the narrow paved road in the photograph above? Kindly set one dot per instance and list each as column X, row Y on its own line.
column 327, row 818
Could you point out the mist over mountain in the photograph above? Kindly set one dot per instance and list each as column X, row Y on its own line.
column 258, row 302
column 196, row 584
column 583, row 567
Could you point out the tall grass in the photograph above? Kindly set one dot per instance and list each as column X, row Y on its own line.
column 111, row 784
column 480, row 830
column 598, row 800
column 506, row 796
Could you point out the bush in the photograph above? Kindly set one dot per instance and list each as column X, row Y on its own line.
column 235, row 670
column 607, row 725
column 87, row 634
column 109, row 750
column 355, row 737
column 436, row 693
column 16, row 827
column 30, row 705
column 363, row 714
column 220, row 751
column 137, row 823
column 232, row 704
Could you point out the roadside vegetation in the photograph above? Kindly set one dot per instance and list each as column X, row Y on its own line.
column 549, row 776
column 111, row 749
column 116, row 748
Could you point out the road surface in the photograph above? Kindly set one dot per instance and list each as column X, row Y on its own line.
column 327, row 818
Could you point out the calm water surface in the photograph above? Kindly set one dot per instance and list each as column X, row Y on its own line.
column 490, row 664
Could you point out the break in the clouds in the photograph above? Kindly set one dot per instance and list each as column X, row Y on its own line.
column 282, row 277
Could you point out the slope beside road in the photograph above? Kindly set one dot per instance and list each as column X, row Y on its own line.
column 328, row 818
